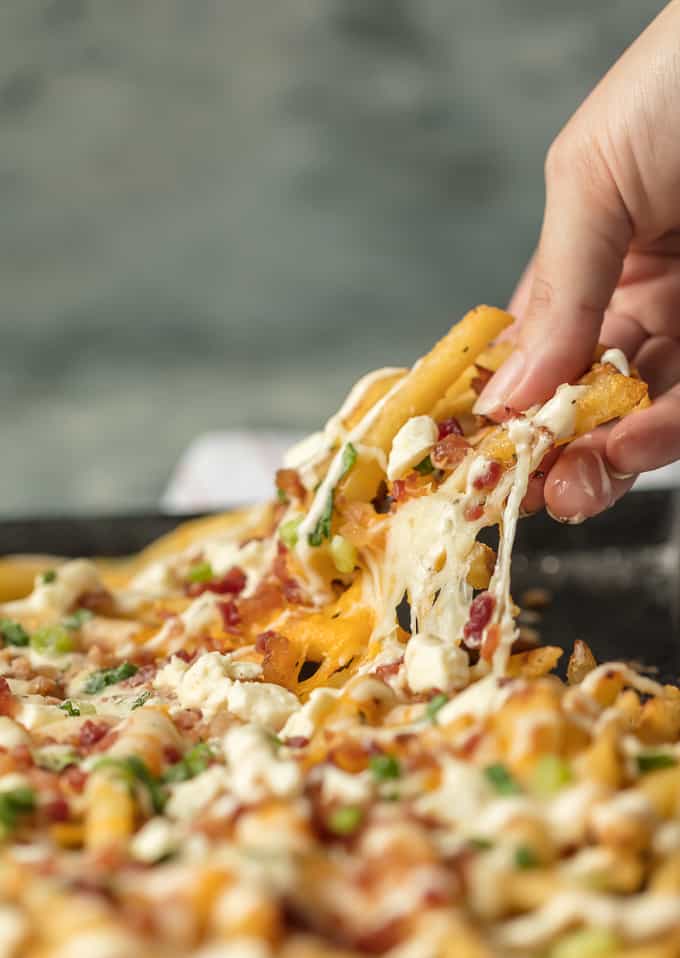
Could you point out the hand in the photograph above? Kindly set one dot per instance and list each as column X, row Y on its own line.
column 607, row 268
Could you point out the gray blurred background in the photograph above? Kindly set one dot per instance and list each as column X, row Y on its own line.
column 217, row 213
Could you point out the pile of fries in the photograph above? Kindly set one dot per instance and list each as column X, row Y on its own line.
column 314, row 728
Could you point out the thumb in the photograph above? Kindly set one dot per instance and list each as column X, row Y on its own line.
column 585, row 236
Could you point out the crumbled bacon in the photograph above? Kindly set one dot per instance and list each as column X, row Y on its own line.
column 56, row 809
column 488, row 478
column 448, row 427
column 481, row 611
column 230, row 614
column 268, row 597
column 91, row 733
column 23, row 758
column 297, row 741
column 412, row 484
column 141, row 676
column 281, row 662
column 232, row 583
column 185, row 656
column 74, row 777
column 99, row 601
column 290, row 586
column 289, row 482
column 385, row 671
column 171, row 754
column 473, row 511
column 186, row 719
column 478, row 382
column 8, row 703
column 450, row 451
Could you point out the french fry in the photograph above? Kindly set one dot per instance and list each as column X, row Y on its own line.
column 422, row 387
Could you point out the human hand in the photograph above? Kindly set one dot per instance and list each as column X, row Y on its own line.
column 607, row 268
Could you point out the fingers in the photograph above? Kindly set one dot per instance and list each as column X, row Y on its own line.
column 533, row 500
column 583, row 482
column 658, row 361
column 520, row 298
column 648, row 439
column 585, row 236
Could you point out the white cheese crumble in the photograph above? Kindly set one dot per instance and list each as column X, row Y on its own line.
column 11, row 734
column 256, row 770
column 189, row 798
column 411, row 444
column 343, row 787
column 304, row 722
column 432, row 663
column 153, row 841
column 213, row 682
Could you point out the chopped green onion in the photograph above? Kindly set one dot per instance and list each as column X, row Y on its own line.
column 192, row 763
column 134, row 771
column 651, row 761
column 48, row 576
column 385, row 767
column 551, row 773
column 525, row 857
column 501, row 779
column 13, row 803
column 344, row 554
column 425, row 467
column 70, row 707
column 56, row 760
column 288, row 532
column 587, row 943
column 140, row 700
column 201, row 572
column 345, row 820
column 12, row 633
column 105, row 677
column 77, row 619
column 322, row 530
column 480, row 844
column 53, row 640
column 434, row 705
column 281, row 495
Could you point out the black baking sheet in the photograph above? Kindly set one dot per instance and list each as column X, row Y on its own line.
column 614, row 581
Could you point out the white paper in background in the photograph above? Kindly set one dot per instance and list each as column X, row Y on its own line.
column 236, row 467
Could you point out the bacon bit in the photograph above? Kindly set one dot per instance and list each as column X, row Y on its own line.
column 74, row 777
column 450, row 451
column 141, row 677
column 185, row 656
column 230, row 614
column 281, row 662
column 481, row 611
column 268, row 597
column 489, row 478
column 186, row 719
column 412, row 484
column 288, row 481
column 99, row 601
column 8, row 702
column 296, row 741
column 467, row 748
column 232, row 583
column 57, row 809
column 448, row 427
column 473, row 512
column 171, row 754
column 280, row 571
column 91, row 733
column 23, row 759
column 491, row 641
column 478, row 382
column 384, row 671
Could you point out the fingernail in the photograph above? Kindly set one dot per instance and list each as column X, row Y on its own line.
column 493, row 397
column 587, row 491
column 621, row 475
column 570, row 521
